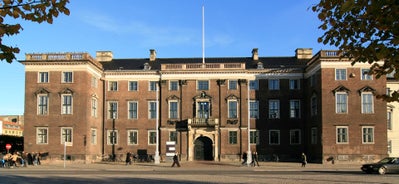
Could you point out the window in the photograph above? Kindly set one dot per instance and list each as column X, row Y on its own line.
column 132, row 137
column 389, row 119
column 133, row 86
column 66, row 104
column 365, row 74
column 41, row 135
column 94, row 105
column 152, row 110
column 203, row 109
column 313, row 135
column 43, row 77
column 42, row 104
column 112, row 86
column 342, row 135
column 295, row 109
column 367, row 103
column 274, row 109
column 254, row 109
column 112, row 137
column 389, row 146
column 132, row 108
column 67, row 77
column 233, row 84
column 94, row 82
column 254, row 137
column 173, row 110
column 274, row 137
column 294, row 84
column 112, row 110
column 152, row 137
column 66, row 135
column 153, row 86
column 341, row 102
column 232, row 109
column 173, row 85
column 93, row 138
column 232, row 137
column 295, row 136
column 340, row 74
column 173, row 136
column 253, row 85
column 274, row 84
column 312, row 80
column 368, row 135
column 313, row 105
column 203, row 85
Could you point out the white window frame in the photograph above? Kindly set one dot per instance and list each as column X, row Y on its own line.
column 171, row 135
column 295, row 134
column 66, row 135
column 295, row 84
column 365, row 75
column 131, row 85
column 368, row 137
column 341, row 107
column 113, row 85
column 66, row 108
column 135, row 138
column 173, row 85
column 233, row 87
column 42, row 137
column 67, row 77
column 109, row 137
column 152, row 85
column 253, row 84
column 152, row 109
column 94, row 107
column 342, row 137
column 278, row 137
column 389, row 119
column 274, row 113
column 176, row 112
column 229, row 109
column 114, row 105
column 231, row 140
column 43, row 77
column 150, row 141
column 254, row 109
column 340, row 74
column 364, row 103
column 274, row 84
column 295, row 108
column 93, row 136
column 254, row 137
column 133, row 113
column 43, row 108
column 200, row 85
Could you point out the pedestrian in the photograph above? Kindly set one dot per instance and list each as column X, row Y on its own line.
column 176, row 160
column 30, row 159
column 255, row 159
column 128, row 158
column 304, row 161
column 244, row 158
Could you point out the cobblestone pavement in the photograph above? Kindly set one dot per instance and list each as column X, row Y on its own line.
column 192, row 172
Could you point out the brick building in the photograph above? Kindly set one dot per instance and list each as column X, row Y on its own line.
column 211, row 109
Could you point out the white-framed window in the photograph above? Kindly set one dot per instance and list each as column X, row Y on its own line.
column 313, row 105
column 132, row 137
column 295, row 136
column 67, row 77
column 367, row 103
column 133, row 86
column 233, row 137
column 274, row 109
column 152, row 137
column 340, row 74
column 66, row 106
column 232, row 109
column 173, row 136
column 132, row 109
column 274, row 84
column 254, row 137
column 341, row 102
column 253, row 84
column 41, row 135
column 112, row 110
column 42, row 104
column 113, row 86
column 313, row 135
column 233, row 84
column 152, row 109
column 365, row 74
column 173, row 110
column 274, row 137
column 94, row 107
column 295, row 84
column 94, row 82
column 43, row 77
column 93, row 136
column 254, row 109
column 173, row 85
column 342, row 135
column 389, row 146
column 152, row 85
column 112, row 137
column 202, row 85
column 389, row 119
column 295, row 108
column 66, row 135
column 368, row 135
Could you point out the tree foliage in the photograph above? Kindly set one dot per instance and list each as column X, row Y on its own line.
column 30, row 10
column 366, row 31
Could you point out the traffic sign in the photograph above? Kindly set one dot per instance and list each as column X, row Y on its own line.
column 8, row 146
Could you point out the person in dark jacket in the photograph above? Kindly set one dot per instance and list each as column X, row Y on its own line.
column 128, row 158
column 176, row 160
column 304, row 160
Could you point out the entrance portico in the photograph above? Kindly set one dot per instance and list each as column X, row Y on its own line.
column 203, row 141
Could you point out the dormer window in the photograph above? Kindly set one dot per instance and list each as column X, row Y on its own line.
column 147, row 66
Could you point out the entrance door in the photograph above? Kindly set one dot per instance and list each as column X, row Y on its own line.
column 203, row 149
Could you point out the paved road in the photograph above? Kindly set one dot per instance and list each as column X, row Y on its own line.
column 193, row 172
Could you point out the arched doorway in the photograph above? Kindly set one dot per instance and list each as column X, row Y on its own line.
column 203, row 148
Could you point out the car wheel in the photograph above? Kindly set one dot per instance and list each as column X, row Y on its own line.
column 382, row 170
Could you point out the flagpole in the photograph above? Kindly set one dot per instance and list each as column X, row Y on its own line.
column 203, row 34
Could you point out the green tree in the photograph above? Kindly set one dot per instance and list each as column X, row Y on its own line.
column 29, row 10
column 366, row 31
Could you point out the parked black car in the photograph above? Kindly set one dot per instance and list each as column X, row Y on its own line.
column 386, row 165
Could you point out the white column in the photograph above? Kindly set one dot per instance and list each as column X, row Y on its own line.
column 249, row 155
column 157, row 159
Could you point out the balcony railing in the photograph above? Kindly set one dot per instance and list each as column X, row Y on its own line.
column 203, row 66
column 202, row 122
column 58, row 57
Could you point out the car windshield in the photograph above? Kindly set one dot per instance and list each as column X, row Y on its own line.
column 386, row 160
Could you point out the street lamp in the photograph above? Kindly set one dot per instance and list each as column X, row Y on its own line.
column 249, row 155
column 113, row 137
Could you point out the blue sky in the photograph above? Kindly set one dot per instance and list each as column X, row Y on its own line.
column 129, row 28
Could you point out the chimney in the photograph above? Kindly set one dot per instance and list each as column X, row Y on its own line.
column 255, row 55
column 104, row 56
column 303, row 53
column 153, row 55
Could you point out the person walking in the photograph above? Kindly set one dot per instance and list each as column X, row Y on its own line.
column 304, row 161
column 128, row 158
column 176, row 160
column 244, row 158
column 255, row 159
